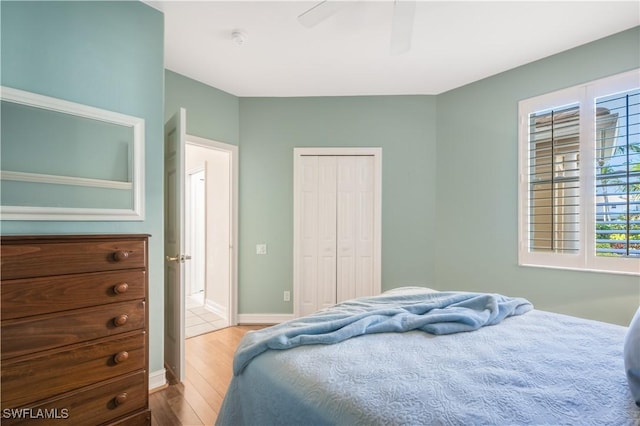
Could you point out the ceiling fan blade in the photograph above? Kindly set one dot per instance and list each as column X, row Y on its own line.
column 318, row 13
column 402, row 26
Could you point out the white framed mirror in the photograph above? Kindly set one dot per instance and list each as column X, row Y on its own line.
column 62, row 160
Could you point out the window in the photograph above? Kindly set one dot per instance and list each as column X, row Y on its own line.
column 579, row 191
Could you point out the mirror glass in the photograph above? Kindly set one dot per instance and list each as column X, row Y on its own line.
column 65, row 161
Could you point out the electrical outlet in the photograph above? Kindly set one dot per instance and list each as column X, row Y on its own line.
column 287, row 296
column 261, row 248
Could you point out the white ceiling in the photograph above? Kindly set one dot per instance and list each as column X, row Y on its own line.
column 454, row 43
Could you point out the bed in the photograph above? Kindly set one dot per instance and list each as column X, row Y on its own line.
column 508, row 364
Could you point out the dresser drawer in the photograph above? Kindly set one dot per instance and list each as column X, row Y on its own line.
column 140, row 419
column 36, row 296
column 49, row 374
column 27, row 335
column 92, row 405
column 40, row 258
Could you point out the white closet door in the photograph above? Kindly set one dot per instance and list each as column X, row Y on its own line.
column 318, row 232
column 308, row 233
column 327, row 245
column 355, row 248
column 337, row 230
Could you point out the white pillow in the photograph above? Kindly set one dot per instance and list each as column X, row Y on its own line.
column 632, row 356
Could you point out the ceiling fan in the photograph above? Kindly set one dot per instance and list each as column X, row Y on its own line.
column 401, row 27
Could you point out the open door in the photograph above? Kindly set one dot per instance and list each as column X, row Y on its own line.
column 174, row 291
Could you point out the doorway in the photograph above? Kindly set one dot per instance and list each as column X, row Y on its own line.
column 209, row 236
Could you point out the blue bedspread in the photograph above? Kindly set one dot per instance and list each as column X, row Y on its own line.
column 436, row 313
column 535, row 369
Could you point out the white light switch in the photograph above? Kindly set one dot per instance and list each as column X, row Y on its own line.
column 261, row 249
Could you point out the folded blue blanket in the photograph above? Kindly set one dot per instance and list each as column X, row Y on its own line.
column 435, row 313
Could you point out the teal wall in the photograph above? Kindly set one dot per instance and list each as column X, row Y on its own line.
column 107, row 55
column 211, row 113
column 477, row 177
column 404, row 126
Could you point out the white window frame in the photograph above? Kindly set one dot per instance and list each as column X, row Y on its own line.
column 584, row 95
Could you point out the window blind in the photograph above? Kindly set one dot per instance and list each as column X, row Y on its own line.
column 617, row 177
column 554, row 180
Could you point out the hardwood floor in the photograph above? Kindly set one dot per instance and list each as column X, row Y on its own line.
column 197, row 400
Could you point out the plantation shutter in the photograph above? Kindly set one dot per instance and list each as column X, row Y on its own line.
column 579, row 177
column 554, row 180
column 617, row 151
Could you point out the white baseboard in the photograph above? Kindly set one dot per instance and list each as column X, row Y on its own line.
column 217, row 309
column 157, row 379
column 263, row 318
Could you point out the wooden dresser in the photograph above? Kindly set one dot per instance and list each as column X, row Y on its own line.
column 74, row 330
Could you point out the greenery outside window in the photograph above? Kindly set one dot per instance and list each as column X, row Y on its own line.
column 579, row 168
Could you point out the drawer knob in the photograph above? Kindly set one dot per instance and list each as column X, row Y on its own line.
column 120, row 255
column 120, row 320
column 121, row 357
column 120, row 288
column 120, row 399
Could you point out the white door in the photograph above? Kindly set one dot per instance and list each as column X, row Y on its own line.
column 174, row 291
column 355, row 214
column 318, row 233
column 337, row 226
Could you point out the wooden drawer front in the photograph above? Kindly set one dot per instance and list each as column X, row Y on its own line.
column 35, row 296
column 140, row 419
column 23, row 336
column 51, row 374
column 39, row 259
column 92, row 405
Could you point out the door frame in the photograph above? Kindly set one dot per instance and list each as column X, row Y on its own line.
column 233, row 152
column 298, row 153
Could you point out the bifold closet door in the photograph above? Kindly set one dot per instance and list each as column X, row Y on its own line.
column 336, row 230
column 354, row 227
column 318, row 232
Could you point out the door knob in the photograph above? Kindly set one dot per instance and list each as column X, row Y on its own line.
column 180, row 258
